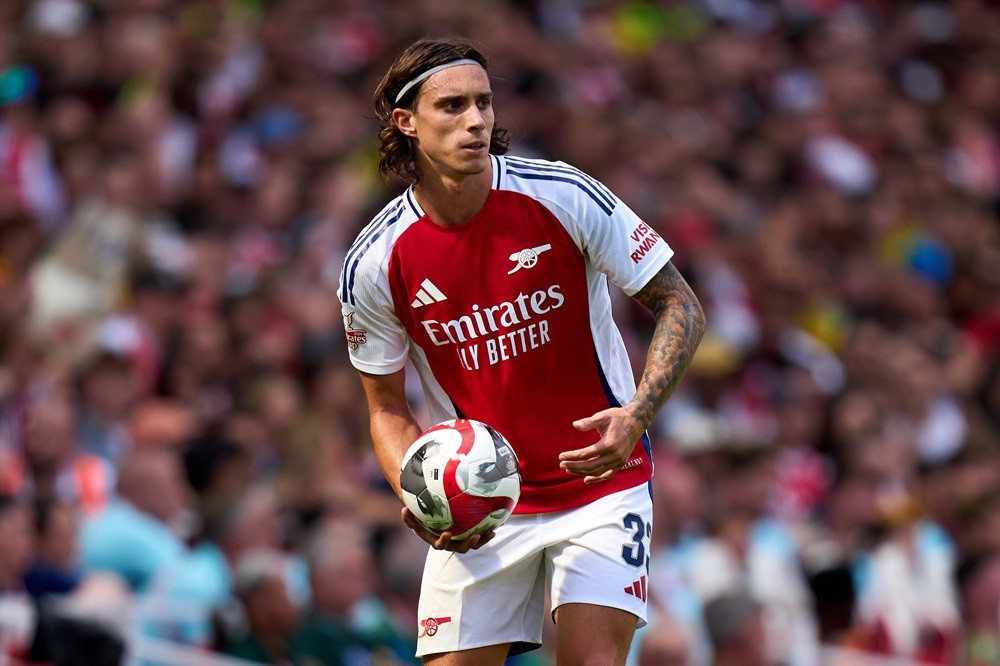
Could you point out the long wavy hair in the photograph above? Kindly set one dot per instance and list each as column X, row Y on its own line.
column 396, row 153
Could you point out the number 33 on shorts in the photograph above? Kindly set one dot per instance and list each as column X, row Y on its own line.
column 635, row 552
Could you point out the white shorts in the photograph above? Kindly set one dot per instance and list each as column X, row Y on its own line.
column 596, row 554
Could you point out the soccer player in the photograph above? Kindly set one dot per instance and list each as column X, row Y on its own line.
column 489, row 273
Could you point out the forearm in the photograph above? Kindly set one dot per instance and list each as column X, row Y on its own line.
column 680, row 325
column 393, row 426
column 392, row 433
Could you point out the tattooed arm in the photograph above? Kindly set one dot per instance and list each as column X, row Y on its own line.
column 680, row 323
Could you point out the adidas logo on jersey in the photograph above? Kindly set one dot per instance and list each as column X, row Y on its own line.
column 427, row 294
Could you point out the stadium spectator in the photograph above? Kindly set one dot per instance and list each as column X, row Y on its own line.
column 16, row 544
column 347, row 614
column 201, row 580
column 269, row 635
column 736, row 631
column 979, row 582
column 664, row 643
column 52, row 464
column 107, row 396
column 134, row 536
column 219, row 472
column 56, row 566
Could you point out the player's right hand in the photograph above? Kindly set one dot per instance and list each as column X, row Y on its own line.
column 443, row 541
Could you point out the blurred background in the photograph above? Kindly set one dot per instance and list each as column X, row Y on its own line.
column 184, row 453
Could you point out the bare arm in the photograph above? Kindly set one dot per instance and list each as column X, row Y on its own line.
column 680, row 324
column 393, row 429
column 393, row 426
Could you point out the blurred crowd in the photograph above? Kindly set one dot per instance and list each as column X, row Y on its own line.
column 181, row 433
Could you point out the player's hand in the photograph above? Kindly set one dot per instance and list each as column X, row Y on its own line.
column 602, row 459
column 443, row 541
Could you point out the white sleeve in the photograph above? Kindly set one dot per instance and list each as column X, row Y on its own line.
column 626, row 249
column 616, row 241
column 376, row 340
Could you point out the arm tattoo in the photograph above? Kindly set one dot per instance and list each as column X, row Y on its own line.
column 680, row 323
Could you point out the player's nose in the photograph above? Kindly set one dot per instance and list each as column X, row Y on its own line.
column 476, row 119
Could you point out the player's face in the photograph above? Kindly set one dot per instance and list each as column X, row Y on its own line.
column 452, row 122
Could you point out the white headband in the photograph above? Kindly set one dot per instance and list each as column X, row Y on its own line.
column 431, row 72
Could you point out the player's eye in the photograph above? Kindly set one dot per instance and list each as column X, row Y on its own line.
column 484, row 104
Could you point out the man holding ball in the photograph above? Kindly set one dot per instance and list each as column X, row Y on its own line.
column 489, row 273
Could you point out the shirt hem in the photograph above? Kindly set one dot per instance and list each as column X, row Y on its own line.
column 578, row 494
column 373, row 369
column 641, row 281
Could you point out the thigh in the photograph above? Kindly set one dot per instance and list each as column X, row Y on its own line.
column 604, row 561
column 589, row 634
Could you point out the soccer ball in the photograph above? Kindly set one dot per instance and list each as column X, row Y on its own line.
column 460, row 476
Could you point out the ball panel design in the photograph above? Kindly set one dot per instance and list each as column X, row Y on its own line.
column 461, row 476
column 471, row 514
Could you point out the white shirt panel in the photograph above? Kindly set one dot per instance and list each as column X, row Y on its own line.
column 366, row 300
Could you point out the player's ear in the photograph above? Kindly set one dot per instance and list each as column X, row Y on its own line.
column 403, row 120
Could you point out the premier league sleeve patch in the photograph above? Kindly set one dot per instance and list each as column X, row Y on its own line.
column 355, row 336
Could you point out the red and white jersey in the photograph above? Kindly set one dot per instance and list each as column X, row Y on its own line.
column 507, row 318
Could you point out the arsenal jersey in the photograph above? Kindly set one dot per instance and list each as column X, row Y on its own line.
column 507, row 318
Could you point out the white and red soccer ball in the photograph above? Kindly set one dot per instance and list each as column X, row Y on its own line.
column 461, row 476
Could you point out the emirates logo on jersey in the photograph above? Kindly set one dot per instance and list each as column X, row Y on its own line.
column 498, row 333
column 492, row 319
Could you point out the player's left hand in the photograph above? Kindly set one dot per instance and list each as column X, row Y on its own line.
column 443, row 541
column 602, row 459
